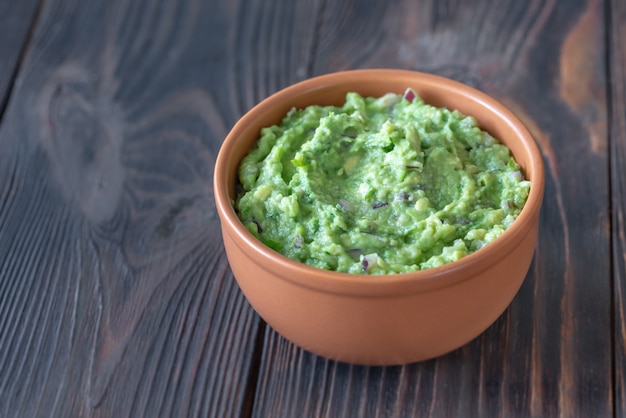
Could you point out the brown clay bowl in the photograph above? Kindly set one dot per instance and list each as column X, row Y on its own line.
column 392, row 319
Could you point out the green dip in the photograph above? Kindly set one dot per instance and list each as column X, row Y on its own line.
column 378, row 185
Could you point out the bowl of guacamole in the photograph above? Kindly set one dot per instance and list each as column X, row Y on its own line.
column 378, row 185
column 379, row 216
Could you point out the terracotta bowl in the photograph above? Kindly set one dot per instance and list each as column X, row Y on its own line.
column 391, row 319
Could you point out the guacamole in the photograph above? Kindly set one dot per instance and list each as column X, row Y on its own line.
column 378, row 185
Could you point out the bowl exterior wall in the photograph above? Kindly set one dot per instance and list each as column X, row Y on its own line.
column 382, row 330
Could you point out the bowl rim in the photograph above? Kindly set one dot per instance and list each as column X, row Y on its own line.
column 387, row 284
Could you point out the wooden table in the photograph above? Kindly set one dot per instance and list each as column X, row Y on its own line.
column 116, row 298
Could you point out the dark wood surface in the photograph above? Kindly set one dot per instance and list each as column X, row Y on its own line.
column 617, row 151
column 116, row 298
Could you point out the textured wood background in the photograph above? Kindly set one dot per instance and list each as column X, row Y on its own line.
column 116, row 298
column 617, row 152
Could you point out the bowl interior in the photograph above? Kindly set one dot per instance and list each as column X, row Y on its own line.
column 331, row 90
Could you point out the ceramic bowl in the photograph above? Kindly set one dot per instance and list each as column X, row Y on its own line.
column 391, row 319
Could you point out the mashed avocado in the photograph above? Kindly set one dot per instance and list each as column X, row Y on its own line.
column 378, row 185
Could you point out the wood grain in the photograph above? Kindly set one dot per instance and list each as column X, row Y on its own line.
column 550, row 353
column 617, row 44
column 16, row 20
column 116, row 298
